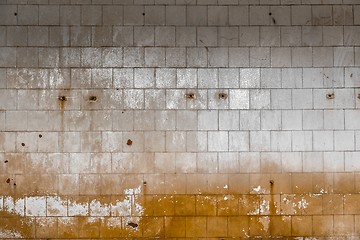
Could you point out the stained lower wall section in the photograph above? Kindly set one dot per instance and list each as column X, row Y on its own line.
column 215, row 206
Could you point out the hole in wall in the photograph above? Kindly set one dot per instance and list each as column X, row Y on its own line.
column 330, row 96
column 62, row 98
column 222, row 96
column 8, row 180
column 40, row 135
column 6, row 161
column 129, row 142
column 23, row 144
column 15, row 14
column 132, row 224
column 92, row 99
column 190, row 95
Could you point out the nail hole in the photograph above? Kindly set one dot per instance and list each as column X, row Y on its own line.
column 40, row 135
column 93, row 99
column 14, row 184
column 143, row 14
column 62, row 98
column 15, row 14
column 270, row 13
column 222, row 95
column 190, row 96
column 132, row 224
column 8, row 180
column 330, row 96
column 129, row 142
column 23, row 144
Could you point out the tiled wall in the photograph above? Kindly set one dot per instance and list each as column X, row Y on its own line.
column 180, row 119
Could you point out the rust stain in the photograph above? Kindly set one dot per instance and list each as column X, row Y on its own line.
column 185, row 215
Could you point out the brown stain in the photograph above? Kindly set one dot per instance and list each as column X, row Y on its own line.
column 272, row 206
column 11, row 222
column 129, row 142
column 169, row 215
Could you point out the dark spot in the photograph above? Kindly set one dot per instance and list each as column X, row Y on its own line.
column 62, row 98
column 23, row 144
column 14, row 184
column 8, row 180
column 190, row 96
column 40, row 135
column 222, row 95
column 271, row 182
column 132, row 224
column 270, row 13
column 118, row 89
column 6, row 161
column 122, row 112
column 143, row 14
column 273, row 20
column 129, row 142
column 93, row 99
column 351, row 75
column 330, row 96
column 144, row 182
column 15, row 14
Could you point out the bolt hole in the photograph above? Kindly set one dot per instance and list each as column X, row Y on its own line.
column 129, row 142
column 40, row 135
column 222, row 95
column 62, row 98
column 330, row 96
column 132, row 224
column 93, row 99
column 190, row 96
column 23, row 144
